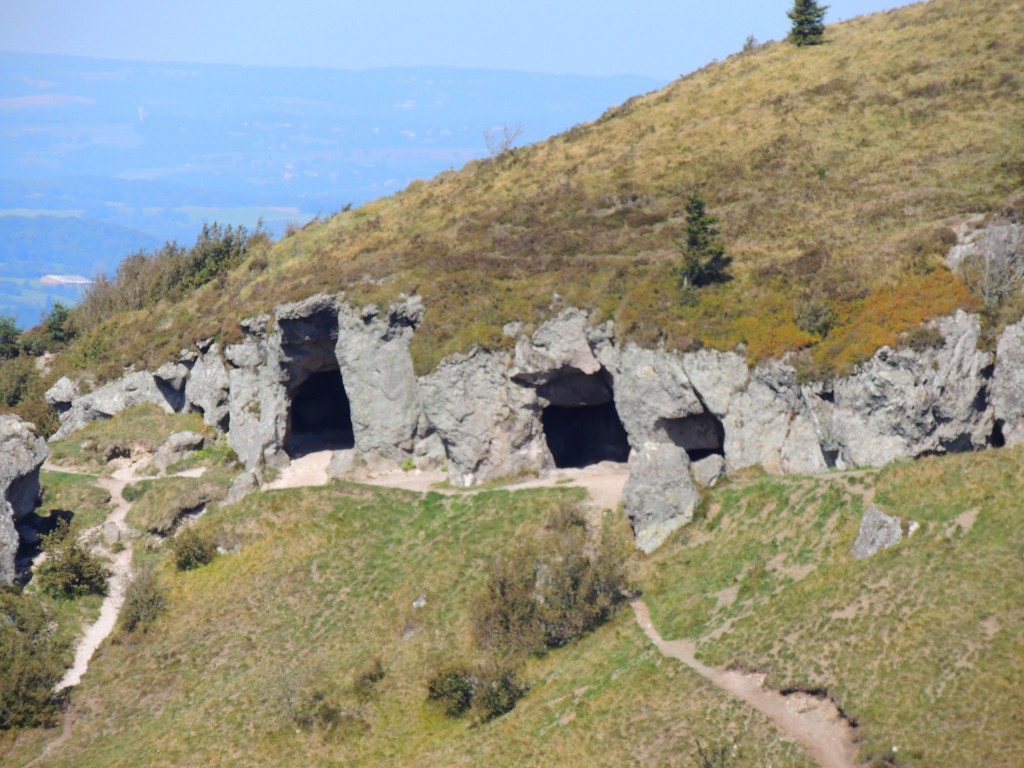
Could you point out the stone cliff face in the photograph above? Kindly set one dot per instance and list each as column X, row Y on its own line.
column 22, row 453
column 321, row 373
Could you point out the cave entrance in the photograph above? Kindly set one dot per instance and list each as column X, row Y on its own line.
column 320, row 417
column 700, row 435
column 581, row 425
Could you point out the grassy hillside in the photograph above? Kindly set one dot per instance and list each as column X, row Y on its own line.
column 837, row 172
column 320, row 583
column 919, row 645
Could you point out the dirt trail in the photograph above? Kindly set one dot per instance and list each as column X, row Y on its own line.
column 120, row 568
column 604, row 481
column 814, row 723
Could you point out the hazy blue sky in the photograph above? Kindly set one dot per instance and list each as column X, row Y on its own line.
column 659, row 38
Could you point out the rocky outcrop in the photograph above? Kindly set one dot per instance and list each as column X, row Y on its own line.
column 489, row 425
column 568, row 392
column 906, row 403
column 22, row 453
column 1008, row 385
column 109, row 400
column 207, row 388
column 659, row 495
column 373, row 355
column 769, row 424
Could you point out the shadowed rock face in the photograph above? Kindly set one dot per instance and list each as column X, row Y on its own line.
column 22, row 453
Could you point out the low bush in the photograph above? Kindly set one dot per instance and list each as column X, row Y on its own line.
column 489, row 690
column 144, row 600
column 452, row 686
column 366, row 681
column 31, row 662
column 70, row 570
column 497, row 690
column 550, row 592
column 192, row 549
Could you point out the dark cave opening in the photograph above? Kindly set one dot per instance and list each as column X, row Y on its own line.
column 700, row 435
column 320, row 416
column 996, row 439
column 579, row 436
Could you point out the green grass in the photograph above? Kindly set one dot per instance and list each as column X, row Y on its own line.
column 317, row 584
column 78, row 494
column 920, row 644
column 136, row 431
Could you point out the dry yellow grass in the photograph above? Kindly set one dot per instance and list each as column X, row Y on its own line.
column 836, row 171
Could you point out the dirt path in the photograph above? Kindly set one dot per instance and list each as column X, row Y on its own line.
column 604, row 481
column 813, row 723
column 120, row 569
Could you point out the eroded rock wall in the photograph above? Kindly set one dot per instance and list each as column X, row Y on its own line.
column 685, row 417
column 22, row 453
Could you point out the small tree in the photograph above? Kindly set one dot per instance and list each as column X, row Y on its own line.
column 704, row 259
column 9, row 333
column 58, row 324
column 808, row 22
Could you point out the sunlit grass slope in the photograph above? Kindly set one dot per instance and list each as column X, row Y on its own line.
column 837, row 171
column 319, row 584
column 920, row 644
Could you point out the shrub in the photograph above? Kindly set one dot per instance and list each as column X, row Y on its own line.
column 70, row 569
column 192, row 549
column 316, row 709
column 496, row 691
column 366, row 681
column 452, row 686
column 31, row 662
column 144, row 600
column 547, row 594
column 816, row 317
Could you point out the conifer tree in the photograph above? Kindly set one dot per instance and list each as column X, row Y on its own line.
column 704, row 259
column 808, row 22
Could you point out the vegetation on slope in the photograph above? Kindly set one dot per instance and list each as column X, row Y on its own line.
column 920, row 644
column 269, row 654
column 837, row 173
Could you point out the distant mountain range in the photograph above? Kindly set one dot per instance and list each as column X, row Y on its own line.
column 101, row 158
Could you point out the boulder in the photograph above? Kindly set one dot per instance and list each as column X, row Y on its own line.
column 659, row 497
column 176, row 448
column 706, row 471
column 62, row 394
column 878, row 531
column 22, row 453
column 171, row 378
